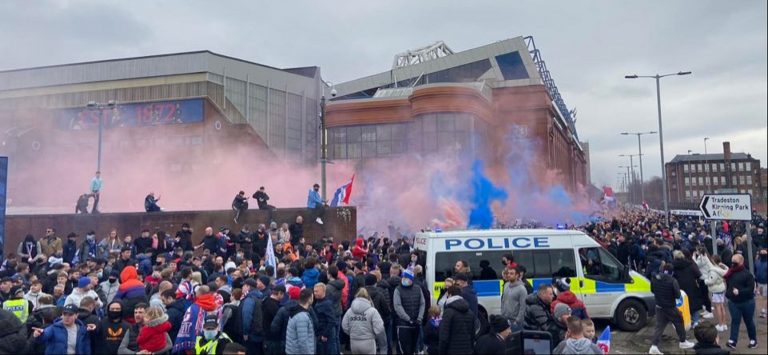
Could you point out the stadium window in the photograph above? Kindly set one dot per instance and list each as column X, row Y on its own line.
column 369, row 134
column 512, row 67
column 722, row 167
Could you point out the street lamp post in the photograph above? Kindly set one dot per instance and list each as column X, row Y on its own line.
column 632, row 166
column 324, row 144
column 661, row 134
column 640, row 154
column 690, row 179
column 93, row 105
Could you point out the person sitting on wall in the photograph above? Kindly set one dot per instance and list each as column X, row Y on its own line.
column 82, row 204
column 150, row 203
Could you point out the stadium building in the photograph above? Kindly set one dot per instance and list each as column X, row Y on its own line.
column 433, row 100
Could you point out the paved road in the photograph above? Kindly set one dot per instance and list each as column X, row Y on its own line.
column 640, row 341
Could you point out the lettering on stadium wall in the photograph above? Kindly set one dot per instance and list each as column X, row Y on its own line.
column 133, row 115
column 496, row 243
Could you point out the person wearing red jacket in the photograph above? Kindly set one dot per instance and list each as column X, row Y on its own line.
column 564, row 295
column 359, row 251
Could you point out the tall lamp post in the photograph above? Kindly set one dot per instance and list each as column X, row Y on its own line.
column 661, row 134
column 640, row 154
column 93, row 105
column 324, row 144
column 690, row 179
column 632, row 168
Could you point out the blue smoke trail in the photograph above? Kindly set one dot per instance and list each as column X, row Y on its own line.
column 484, row 192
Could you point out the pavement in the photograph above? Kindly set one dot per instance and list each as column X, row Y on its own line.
column 639, row 342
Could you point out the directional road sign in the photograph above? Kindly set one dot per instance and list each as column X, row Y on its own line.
column 735, row 207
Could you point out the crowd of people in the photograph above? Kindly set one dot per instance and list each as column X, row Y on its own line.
column 165, row 294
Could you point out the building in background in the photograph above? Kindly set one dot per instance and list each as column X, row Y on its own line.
column 692, row 176
column 482, row 102
column 175, row 106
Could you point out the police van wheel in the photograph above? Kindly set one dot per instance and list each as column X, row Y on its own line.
column 631, row 315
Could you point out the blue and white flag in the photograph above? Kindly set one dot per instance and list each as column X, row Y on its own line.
column 342, row 193
column 271, row 260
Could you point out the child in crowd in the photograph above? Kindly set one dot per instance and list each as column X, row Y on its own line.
column 431, row 330
column 589, row 329
column 152, row 336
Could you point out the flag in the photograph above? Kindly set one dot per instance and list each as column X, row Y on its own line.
column 271, row 256
column 342, row 193
column 604, row 341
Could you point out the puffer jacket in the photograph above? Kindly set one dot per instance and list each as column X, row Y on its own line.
column 131, row 291
column 362, row 321
column 310, row 276
column 704, row 264
column 300, row 333
column 537, row 314
column 457, row 328
column 13, row 338
column 333, row 293
column 715, row 280
column 55, row 339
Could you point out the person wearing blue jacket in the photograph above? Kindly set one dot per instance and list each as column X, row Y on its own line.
column 761, row 278
column 252, row 317
column 311, row 274
column 316, row 203
column 57, row 337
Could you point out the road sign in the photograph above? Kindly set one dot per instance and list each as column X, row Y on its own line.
column 735, row 207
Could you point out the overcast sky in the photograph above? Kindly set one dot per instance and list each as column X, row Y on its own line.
column 588, row 45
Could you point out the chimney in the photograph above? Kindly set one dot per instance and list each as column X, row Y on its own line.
column 727, row 151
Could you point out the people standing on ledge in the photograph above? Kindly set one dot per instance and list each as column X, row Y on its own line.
column 316, row 203
column 150, row 203
column 96, row 185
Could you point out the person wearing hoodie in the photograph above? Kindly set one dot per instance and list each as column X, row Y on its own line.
column 457, row 328
column 334, row 289
column 409, row 305
column 311, row 274
column 576, row 343
column 82, row 290
column 379, row 296
column 131, row 292
column 70, row 248
column 687, row 275
column 13, row 339
column 513, row 297
column 564, row 295
column 359, row 251
column 111, row 285
column 28, row 249
column 269, row 308
column 716, row 283
column 327, row 322
column 301, row 329
column 111, row 330
column 363, row 324
column 192, row 323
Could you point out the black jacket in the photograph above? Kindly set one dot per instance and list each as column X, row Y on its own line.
column 537, row 314
column 457, row 329
column 297, row 232
column 687, row 275
column 108, row 336
column 269, row 308
column 665, row 290
column 490, row 344
column 142, row 244
column 261, row 199
column 13, row 334
column 710, row 349
column 175, row 313
column 326, row 317
column 380, row 298
column 744, row 282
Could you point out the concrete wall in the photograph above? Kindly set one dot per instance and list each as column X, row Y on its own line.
column 341, row 223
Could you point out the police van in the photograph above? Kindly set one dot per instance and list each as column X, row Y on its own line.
column 608, row 289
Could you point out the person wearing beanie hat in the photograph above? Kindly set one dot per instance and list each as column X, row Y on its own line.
column 494, row 342
column 561, row 314
column 294, row 293
column 409, row 305
column 83, row 289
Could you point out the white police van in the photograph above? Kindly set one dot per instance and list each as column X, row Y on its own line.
column 608, row 289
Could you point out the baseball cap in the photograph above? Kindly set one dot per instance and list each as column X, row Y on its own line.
column 211, row 321
column 83, row 282
column 70, row 308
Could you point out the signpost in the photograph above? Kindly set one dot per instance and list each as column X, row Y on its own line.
column 732, row 207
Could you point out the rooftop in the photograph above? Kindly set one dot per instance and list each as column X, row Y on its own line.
column 709, row 157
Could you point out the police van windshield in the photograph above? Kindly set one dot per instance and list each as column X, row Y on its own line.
column 487, row 265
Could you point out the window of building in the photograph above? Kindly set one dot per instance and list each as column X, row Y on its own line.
column 685, row 168
column 722, row 167
column 701, row 167
column 706, row 167
column 701, row 181
column 723, row 181
column 748, row 166
column 707, row 181
column 741, row 166
column 687, row 194
column 742, row 180
column 715, row 181
column 693, row 181
column 714, row 167
column 512, row 66
column 749, row 179
column 687, row 181
column 733, row 167
column 369, row 133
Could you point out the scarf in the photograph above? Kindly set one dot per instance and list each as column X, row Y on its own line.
column 734, row 269
column 31, row 248
column 191, row 325
column 91, row 248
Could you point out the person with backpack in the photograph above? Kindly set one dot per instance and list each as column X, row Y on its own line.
column 252, row 318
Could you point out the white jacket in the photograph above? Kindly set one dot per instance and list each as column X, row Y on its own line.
column 714, row 278
column 362, row 321
column 704, row 264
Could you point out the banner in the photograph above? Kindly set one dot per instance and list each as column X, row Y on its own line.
column 3, row 191
column 133, row 115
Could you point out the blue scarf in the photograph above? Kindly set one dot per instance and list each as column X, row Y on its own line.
column 91, row 248
column 186, row 338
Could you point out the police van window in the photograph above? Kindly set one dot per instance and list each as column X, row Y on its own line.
column 598, row 264
column 550, row 263
column 482, row 264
